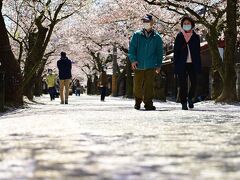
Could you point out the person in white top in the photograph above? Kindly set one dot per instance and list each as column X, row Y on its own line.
column 187, row 61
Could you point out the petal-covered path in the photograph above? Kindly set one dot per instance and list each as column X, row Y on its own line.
column 92, row 140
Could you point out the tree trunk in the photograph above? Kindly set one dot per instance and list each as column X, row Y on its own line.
column 38, row 45
column 94, row 85
column 129, row 81
column 38, row 82
column 13, row 76
column 38, row 87
column 217, row 64
column 121, row 77
column 89, row 84
column 114, row 75
column 33, row 61
column 229, row 87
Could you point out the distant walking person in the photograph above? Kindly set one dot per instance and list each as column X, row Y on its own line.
column 77, row 88
column 187, row 61
column 65, row 67
column 51, row 80
column 146, row 55
column 102, row 84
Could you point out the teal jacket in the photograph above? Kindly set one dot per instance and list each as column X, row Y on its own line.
column 147, row 51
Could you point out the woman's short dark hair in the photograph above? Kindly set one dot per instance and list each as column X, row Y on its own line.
column 189, row 19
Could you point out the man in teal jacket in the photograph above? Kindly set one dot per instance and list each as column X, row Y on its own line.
column 145, row 54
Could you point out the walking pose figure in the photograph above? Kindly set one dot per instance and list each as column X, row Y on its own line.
column 65, row 67
column 187, row 61
column 145, row 54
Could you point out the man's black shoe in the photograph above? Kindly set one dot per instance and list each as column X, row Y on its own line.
column 184, row 106
column 150, row 108
column 137, row 106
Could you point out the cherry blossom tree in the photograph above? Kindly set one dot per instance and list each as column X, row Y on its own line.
column 13, row 77
column 229, row 89
column 37, row 32
column 114, row 29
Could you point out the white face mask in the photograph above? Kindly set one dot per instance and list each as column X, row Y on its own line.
column 147, row 26
column 187, row 27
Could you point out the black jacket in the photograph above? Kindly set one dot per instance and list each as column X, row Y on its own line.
column 65, row 67
column 181, row 53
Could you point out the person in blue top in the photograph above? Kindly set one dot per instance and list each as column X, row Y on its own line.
column 146, row 55
column 187, row 61
column 65, row 74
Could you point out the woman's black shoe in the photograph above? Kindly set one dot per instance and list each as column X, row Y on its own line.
column 137, row 106
column 184, row 106
column 190, row 104
column 150, row 108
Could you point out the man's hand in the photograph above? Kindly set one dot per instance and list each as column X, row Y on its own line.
column 134, row 65
column 158, row 70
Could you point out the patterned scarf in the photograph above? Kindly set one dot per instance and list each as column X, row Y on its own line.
column 187, row 35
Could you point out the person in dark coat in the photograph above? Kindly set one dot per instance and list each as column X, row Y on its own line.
column 187, row 60
column 102, row 84
column 77, row 88
column 65, row 67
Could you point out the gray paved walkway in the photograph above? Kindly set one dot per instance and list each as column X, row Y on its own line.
column 91, row 140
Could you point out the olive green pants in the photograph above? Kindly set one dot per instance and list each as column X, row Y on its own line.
column 143, row 86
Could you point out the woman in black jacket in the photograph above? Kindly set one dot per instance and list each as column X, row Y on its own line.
column 187, row 60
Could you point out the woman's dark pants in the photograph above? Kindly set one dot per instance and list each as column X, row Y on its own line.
column 103, row 93
column 186, row 95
